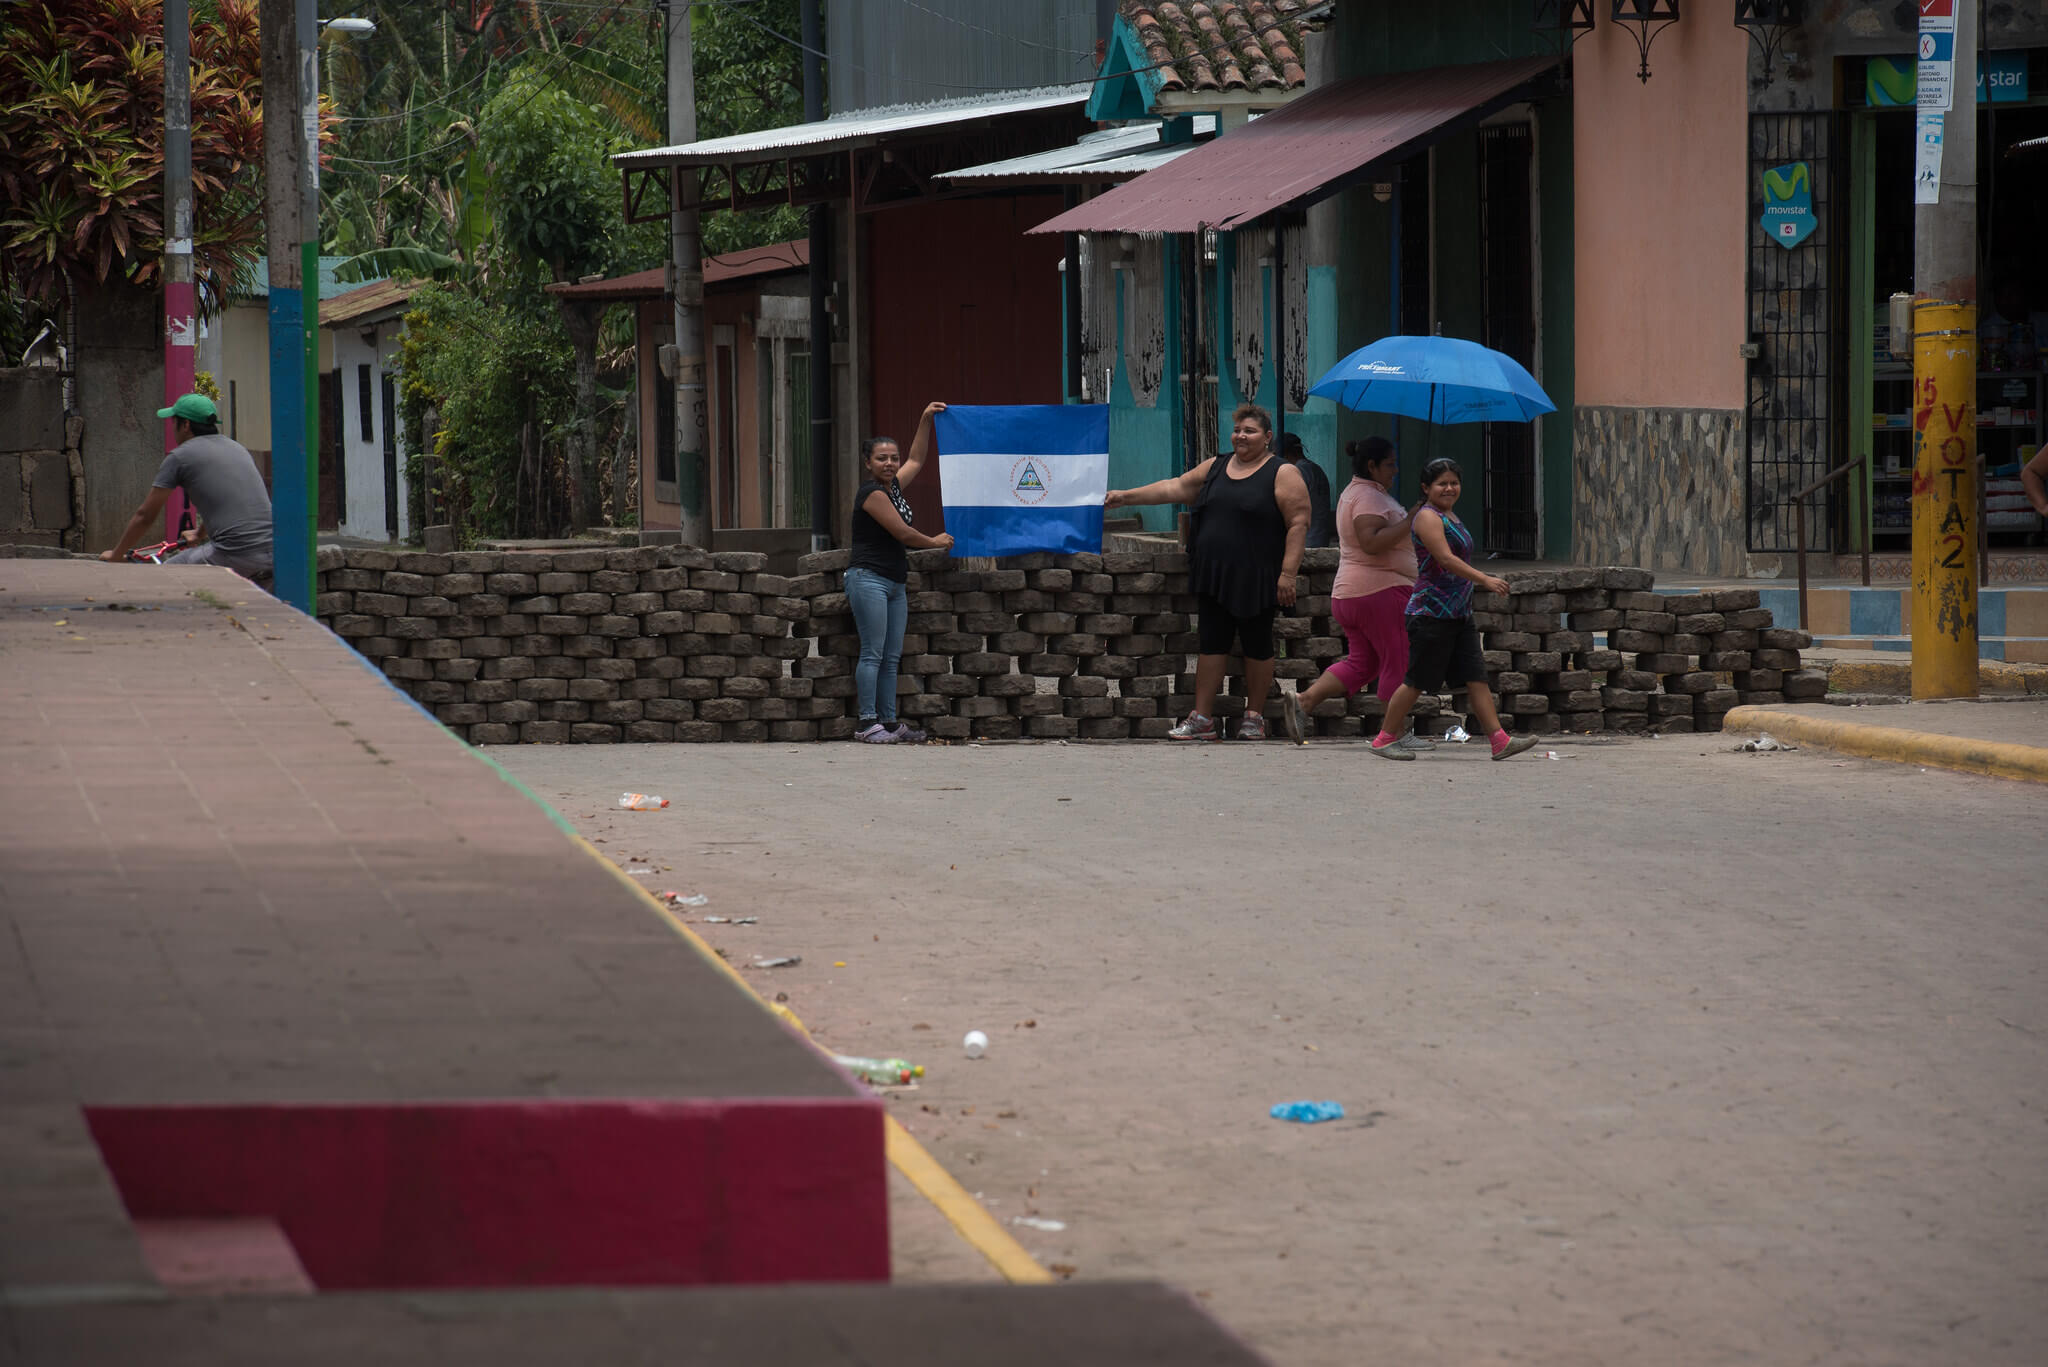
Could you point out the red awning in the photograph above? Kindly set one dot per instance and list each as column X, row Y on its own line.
column 1311, row 148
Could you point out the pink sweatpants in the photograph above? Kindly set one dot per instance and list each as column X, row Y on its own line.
column 1376, row 629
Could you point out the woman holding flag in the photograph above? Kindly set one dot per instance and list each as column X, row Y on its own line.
column 1249, row 524
column 878, row 575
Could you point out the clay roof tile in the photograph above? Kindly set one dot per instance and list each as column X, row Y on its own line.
column 1221, row 44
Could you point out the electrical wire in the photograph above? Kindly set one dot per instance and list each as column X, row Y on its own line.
column 547, row 79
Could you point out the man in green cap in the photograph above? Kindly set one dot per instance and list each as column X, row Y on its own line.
column 221, row 480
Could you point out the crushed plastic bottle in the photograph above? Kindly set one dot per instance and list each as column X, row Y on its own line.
column 882, row 1072
column 1457, row 735
column 642, row 802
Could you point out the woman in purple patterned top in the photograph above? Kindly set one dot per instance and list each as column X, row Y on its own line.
column 1443, row 644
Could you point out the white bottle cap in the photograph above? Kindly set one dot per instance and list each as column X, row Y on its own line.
column 976, row 1044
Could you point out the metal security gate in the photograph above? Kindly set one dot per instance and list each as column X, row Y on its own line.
column 1792, row 303
column 1508, row 319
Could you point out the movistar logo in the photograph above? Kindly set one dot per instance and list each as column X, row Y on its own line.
column 1780, row 186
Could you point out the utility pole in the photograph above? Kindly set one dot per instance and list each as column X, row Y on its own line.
column 823, row 456
column 1944, row 497
column 307, row 26
column 283, row 147
column 686, row 284
column 181, row 325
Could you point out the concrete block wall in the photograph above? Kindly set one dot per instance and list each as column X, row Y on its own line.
column 42, row 478
column 677, row 644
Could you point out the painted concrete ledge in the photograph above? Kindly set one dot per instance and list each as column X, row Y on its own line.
column 1996, row 759
column 1894, row 678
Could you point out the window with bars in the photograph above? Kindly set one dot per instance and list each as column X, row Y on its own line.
column 1792, row 380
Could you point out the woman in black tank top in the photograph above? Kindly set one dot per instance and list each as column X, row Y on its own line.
column 878, row 573
column 1249, row 524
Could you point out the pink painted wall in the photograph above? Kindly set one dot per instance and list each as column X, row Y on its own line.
column 1661, row 208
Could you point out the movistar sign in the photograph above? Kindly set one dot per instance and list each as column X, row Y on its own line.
column 1788, row 204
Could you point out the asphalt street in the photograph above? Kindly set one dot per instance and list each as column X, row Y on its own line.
column 1651, row 1052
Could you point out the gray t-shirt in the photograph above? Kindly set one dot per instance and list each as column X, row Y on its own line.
column 220, row 477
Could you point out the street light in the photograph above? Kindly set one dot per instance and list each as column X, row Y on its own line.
column 297, row 542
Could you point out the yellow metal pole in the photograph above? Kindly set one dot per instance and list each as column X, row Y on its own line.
column 1944, row 499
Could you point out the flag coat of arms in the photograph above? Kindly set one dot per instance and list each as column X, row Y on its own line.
column 1024, row 477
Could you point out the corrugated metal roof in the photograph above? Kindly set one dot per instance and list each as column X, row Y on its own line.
column 1302, row 152
column 653, row 284
column 365, row 301
column 1112, row 154
column 887, row 54
column 859, row 129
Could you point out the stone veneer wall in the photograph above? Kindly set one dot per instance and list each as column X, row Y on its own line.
column 1659, row 487
column 675, row 644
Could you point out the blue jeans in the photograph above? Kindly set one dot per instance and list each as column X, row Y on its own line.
column 880, row 608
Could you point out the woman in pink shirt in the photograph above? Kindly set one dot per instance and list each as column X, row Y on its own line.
column 1375, row 571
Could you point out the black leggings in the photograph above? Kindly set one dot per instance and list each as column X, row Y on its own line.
column 1218, row 628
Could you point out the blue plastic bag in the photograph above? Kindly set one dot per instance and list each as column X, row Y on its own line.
column 1308, row 1112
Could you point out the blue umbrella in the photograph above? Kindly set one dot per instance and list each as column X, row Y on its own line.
column 1437, row 379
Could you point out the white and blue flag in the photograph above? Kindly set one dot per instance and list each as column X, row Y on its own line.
column 1024, row 477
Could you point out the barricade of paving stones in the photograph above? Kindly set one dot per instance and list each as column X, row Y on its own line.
column 678, row 644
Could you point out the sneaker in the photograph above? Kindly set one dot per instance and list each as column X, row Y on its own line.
column 875, row 733
column 1417, row 742
column 1515, row 746
column 906, row 733
column 1393, row 749
column 1194, row 727
column 1291, row 714
column 1251, row 726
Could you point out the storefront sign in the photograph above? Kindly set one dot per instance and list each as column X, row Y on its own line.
column 1927, row 158
column 1937, row 71
column 2001, row 77
column 1788, row 204
column 1891, row 82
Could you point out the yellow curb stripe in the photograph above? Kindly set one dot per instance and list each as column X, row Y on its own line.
column 1995, row 759
column 969, row 1218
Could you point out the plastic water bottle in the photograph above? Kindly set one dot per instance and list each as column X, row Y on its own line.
column 976, row 1044
column 882, row 1072
column 642, row 802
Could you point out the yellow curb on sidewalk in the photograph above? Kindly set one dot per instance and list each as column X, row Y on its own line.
column 1888, row 678
column 1997, row 759
column 969, row 1218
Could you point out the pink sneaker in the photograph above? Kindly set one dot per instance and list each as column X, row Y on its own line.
column 1195, row 727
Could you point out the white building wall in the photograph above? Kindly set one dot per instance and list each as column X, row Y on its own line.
column 362, row 444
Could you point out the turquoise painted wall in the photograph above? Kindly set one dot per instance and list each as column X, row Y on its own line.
column 1145, row 443
column 1317, row 425
column 1385, row 39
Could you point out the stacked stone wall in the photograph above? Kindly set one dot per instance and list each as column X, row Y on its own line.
column 677, row 644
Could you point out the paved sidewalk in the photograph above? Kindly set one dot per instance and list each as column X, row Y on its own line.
column 296, row 992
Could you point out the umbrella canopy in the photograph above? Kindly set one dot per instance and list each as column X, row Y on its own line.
column 1437, row 379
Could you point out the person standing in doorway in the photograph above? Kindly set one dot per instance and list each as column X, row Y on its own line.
column 1322, row 523
column 1443, row 642
column 225, row 488
column 878, row 576
column 1375, row 573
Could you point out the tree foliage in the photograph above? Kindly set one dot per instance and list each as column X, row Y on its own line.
column 477, row 148
column 484, row 377
column 82, row 145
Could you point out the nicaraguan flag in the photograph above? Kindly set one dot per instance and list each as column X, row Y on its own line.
column 1024, row 477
